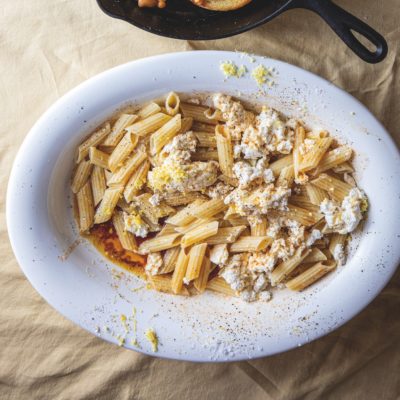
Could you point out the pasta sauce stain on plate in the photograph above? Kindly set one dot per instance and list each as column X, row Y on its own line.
column 105, row 238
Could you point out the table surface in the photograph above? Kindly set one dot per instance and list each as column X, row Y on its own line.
column 47, row 48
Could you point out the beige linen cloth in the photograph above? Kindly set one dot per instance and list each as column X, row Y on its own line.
column 47, row 48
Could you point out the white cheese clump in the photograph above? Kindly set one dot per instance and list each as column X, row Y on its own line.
column 135, row 224
column 344, row 218
column 154, row 263
column 219, row 191
column 236, row 118
column 313, row 237
column 155, row 199
column 246, row 174
column 179, row 149
column 339, row 254
column 234, row 272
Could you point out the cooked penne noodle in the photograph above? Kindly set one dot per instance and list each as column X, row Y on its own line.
column 149, row 109
column 127, row 239
column 163, row 283
column 196, row 256
column 311, row 275
column 186, row 125
column 179, row 271
column 286, row 267
column 299, row 136
column 122, row 175
column 149, row 124
column 172, row 103
column 304, row 202
column 160, row 243
column 213, row 114
column 208, row 209
column 259, row 228
column 203, row 127
column 342, row 168
column 122, row 151
column 315, row 194
column 169, row 260
column 153, row 214
column 224, row 148
column 205, row 155
column 219, row 253
column 312, row 158
column 336, row 188
column 108, row 203
column 98, row 181
column 98, row 157
column 192, row 225
column 199, row 234
column 238, row 221
column 302, row 215
column 226, row 235
column 196, row 112
column 81, row 176
column 315, row 256
column 164, row 134
column 136, row 181
column 85, row 207
column 181, row 199
column 166, row 230
column 333, row 158
column 250, row 243
column 184, row 216
column 286, row 176
column 281, row 163
column 336, row 239
column 206, row 139
column 229, row 180
column 200, row 283
column 94, row 139
column 219, row 285
column 118, row 129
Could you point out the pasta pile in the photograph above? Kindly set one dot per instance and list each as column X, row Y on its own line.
column 222, row 198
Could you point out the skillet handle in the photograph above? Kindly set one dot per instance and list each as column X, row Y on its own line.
column 343, row 23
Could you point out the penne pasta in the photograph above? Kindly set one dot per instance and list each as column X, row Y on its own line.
column 311, row 275
column 136, row 181
column 163, row 135
column 196, row 257
column 238, row 221
column 179, row 271
column 196, row 112
column 122, row 151
column 186, row 125
column 213, row 114
column 336, row 188
column 209, row 155
column 108, row 203
column 334, row 158
column 206, row 139
column 208, row 209
column 312, row 158
column 98, row 157
column 166, row 230
column 199, row 234
column 81, row 176
column 299, row 136
column 185, row 216
column 203, row 127
column 169, row 260
column 98, row 182
column 122, row 175
column 338, row 240
column 315, row 194
column 224, row 148
column 286, row 176
column 342, row 168
column 286, row 267
column 172, row 103
column 152, row 214
column 302, row 215
column 250, row 243
column 160, row 243
column 85, row 207
column 200, row 283
column 259, row 228
column 94, row 139
column 192, row 225
column 180, row 199
column 127, row 239
column 226, row 235
column 148, row 110
column 278, row 165
column 149, row 124
column 163, row 283
column 118, row 129
column 315, row 256
column 220, row 285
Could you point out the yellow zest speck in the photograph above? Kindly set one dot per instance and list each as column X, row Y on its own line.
column 260, row 74
column 124, row 323
column 165, row 174
column 121, row 341
column 229, row 69
column 151, row 336
column 364, row 205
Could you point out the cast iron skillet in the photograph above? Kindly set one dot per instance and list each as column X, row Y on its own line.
column 182, row 20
